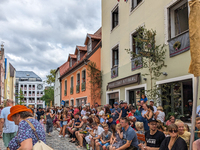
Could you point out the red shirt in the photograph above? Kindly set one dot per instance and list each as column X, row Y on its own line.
column 76, row 110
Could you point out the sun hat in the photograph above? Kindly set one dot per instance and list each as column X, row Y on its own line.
column 16, row 109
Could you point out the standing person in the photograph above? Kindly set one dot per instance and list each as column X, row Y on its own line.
column 83, row 111
column 116, row 112
column 144, row 98
column 153, row 137
column 25, row 138
column 160, row 115
column 8, row 127
column 49, row 122
column 151, row 102
column 124, row 110
column 129, row 135
column 174, row 142
column 39, row 113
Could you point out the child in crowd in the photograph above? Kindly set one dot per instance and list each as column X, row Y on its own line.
column 42, row 121
column 117, row 136
column 104, row 138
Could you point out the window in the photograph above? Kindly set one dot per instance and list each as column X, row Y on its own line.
column 135, row 3
column 78, row 78
column 83, row 76
column 89, row 45
column 65, row 92
column 135, row 48
column 72, row 102
column 115, row 57
column 78, row 58
column 72, row 85
column 115, row 17
column 70, row 63
column 178, row 18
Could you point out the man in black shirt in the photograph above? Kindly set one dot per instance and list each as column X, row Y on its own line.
column 153, row 137
column 39, row 113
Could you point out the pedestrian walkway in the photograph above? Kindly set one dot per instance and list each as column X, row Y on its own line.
column 55, row 142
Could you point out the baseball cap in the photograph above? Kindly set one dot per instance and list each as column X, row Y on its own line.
column 152, row 120
column 116, row 103
column 109, row 116
column 189, row 101
column 151, row 100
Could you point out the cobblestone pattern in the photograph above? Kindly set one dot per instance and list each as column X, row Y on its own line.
column 55, row 142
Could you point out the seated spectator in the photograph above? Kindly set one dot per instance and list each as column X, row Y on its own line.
column 151, row 102
column 182, row 133
column 139, row 119
column 83, row 111
column 139, row 126
column 144, row 98
column 174, row 142
column 153, row 137
column 134, row 112
column 129, row 136
column 145, row 109
column 149, row 113
column 170, row 121
column 102, row 117
column 196, row 145
column 76, row 110
column 125, row 110
column 117, row 137
column 104, row 138
column 116, row 112
column 110, row 121
column 107, row 110
column 94, row 134
column 140, row 106
column 197, row 134
column 160, row 115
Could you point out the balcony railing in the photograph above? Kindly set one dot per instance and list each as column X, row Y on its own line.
column 83, row 86
column 114, row 72
column 71, row 90
column 179, row 44
column 136, row 63
column 33, row 94
column 77, row 88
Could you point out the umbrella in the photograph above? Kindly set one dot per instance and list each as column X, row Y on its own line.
column 194, row 31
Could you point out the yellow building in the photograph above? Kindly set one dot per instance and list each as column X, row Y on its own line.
column 121, row 79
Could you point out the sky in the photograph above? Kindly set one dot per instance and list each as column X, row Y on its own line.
column 38, row 35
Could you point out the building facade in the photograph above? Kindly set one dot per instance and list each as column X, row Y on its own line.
column 57, row 88
column 76, row 88
column 2, row 74
column 32, row 88
column 122, row 79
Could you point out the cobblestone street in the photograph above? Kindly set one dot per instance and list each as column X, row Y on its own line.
column 55, row 142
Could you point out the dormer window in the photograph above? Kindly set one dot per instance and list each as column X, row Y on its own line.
column 78, row 57
column 70, row 63
column 89, row 45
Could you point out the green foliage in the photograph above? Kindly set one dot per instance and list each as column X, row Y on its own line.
column 20, row 97
column 153, row 58
column 95, row 81
column 48, row 95
column 51, row 77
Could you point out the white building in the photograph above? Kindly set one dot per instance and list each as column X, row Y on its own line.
column 57, row 88
column 32, row 87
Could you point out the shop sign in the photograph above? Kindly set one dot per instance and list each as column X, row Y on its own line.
column 125, row 81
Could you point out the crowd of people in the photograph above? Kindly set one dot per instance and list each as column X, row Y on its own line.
column 117, row 127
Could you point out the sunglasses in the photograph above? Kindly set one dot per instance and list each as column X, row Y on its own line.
column 171, row 131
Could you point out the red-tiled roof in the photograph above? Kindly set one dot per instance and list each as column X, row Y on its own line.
column 82, row 48
column 64, row 68
column 73, row 56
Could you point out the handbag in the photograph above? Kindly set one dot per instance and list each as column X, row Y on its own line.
column 40, row 145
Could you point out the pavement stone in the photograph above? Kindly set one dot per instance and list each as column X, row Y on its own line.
column 54, row 142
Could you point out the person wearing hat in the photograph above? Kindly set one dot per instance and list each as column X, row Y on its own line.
column 153, row 137
column 190, row 105
column 110, row 120
column 116, row 112
column 25, row 138
column 151, row 102
column 124, row 110
column 8, row 128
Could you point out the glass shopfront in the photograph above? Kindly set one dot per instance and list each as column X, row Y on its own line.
column 113, row 97
column 175, row 98
column 135, row 96
column 81, row 101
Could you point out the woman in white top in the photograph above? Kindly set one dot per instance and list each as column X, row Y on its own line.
column 160, row 115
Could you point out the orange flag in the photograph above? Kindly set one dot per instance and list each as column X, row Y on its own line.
column 194, row 31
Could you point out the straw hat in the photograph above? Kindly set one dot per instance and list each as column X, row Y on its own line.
column 16, row 109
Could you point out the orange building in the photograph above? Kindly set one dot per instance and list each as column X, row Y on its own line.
column 78, row 85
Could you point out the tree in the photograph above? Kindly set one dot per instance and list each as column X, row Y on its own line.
column 48, row 95
column 95, row 81
column 51, row 77
column 20, row 97
column 151, row 57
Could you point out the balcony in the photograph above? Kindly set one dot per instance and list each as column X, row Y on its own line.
column 33, row 94
column 71, row 90
column 29, row 94
column 179, row 44
column 25, row 88
column 83, row 86
column 65, row 92
column 114, row 72
column 78, row 88
column 136, row 63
